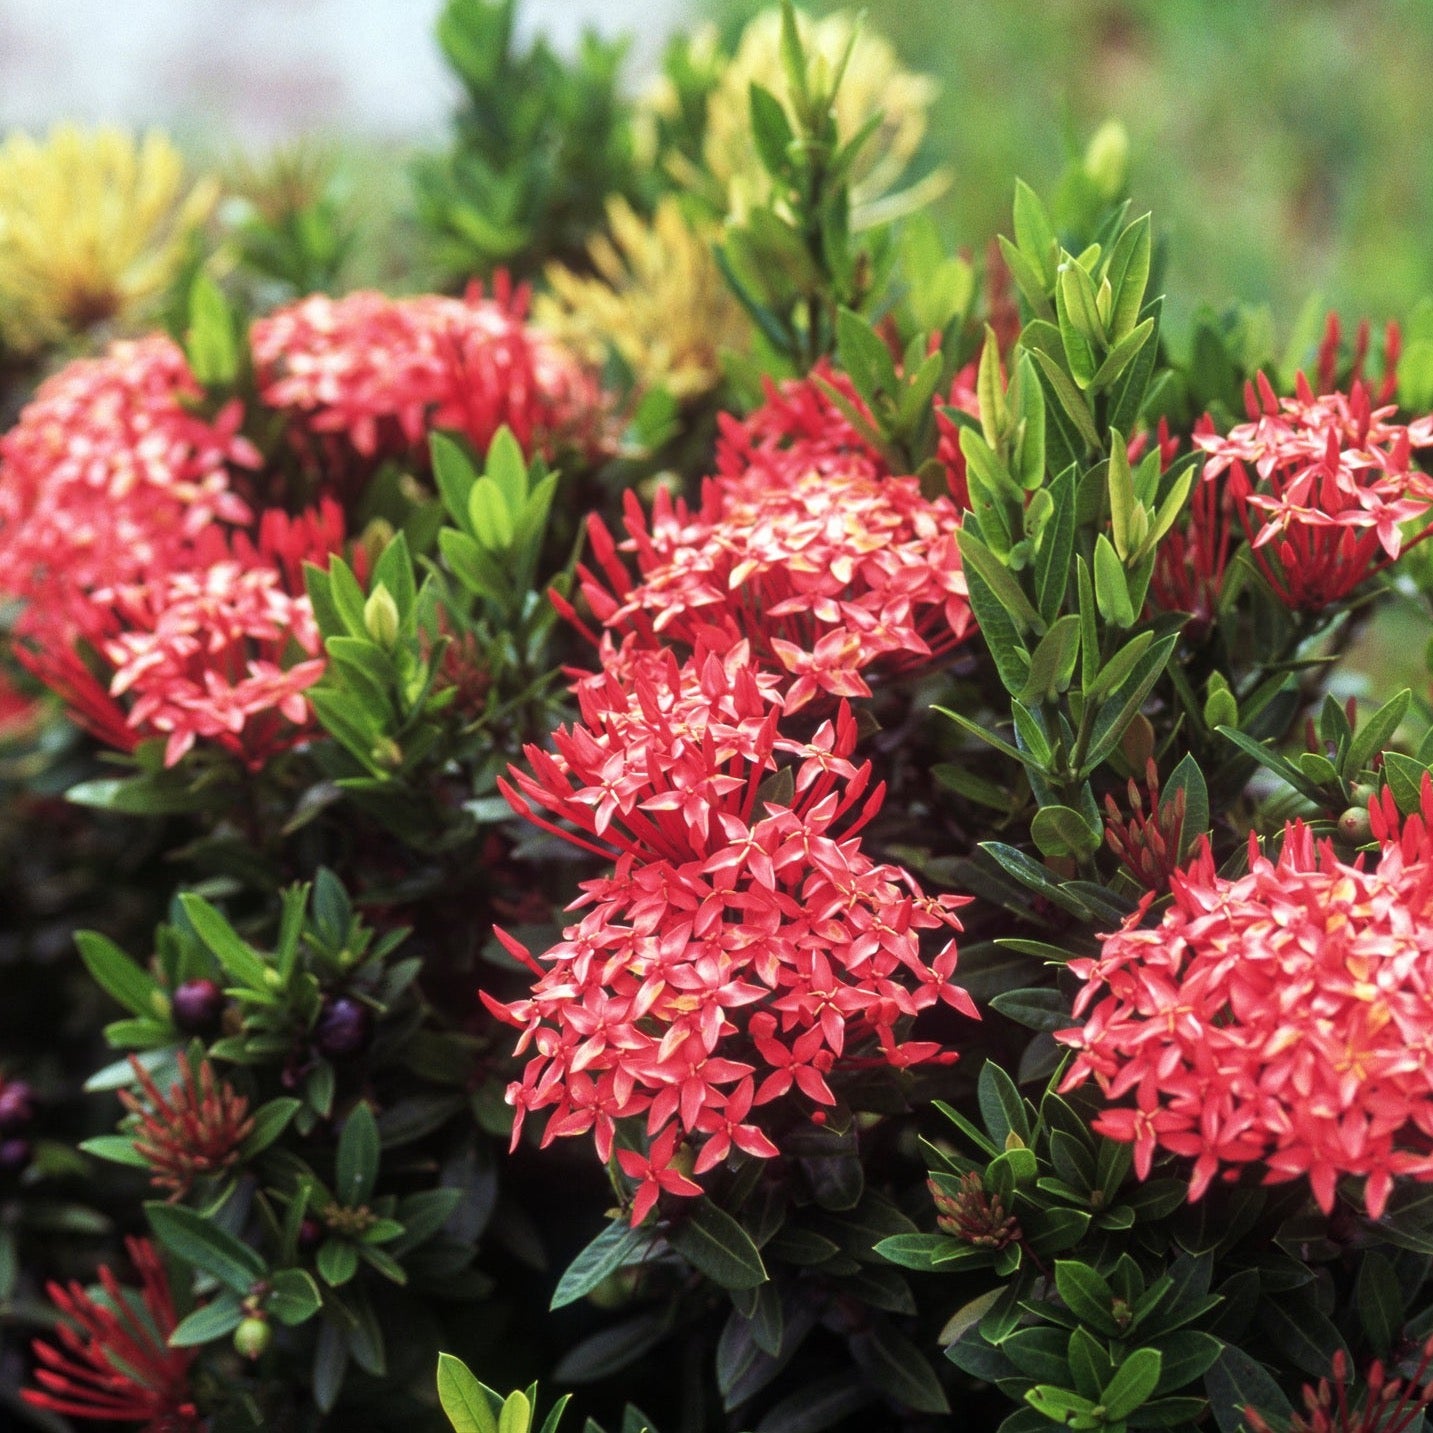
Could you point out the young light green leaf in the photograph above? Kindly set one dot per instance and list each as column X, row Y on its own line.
column 470, row 1405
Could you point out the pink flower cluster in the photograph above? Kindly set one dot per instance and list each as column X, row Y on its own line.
column 1323, row 486
column 112, row 492
column 108, row 474
column 1283, row 1018
column 743, row 947
column 804, row 546
column 371, row 375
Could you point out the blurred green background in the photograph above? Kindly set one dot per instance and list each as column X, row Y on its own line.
column 1285, row 148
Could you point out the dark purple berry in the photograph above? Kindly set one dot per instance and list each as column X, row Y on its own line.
column 311, row 1234
column 14, row 1155
column 17, row 1106
column 197, row 1007
column 343, row 1028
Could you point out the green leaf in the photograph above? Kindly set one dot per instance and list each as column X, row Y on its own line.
column 1189, row 778
column 1134, row 1381
column 270, row 1121
column 455, row 476
column 357, row 1161
column 1052, row 664
column 294, row 1297
column 117, row 975
column 917, row 1251
column 1373, row 734
column 1071, row 400
column 1056, row 546
column 990, row 394
column 1405, row 779
column 714, row 1243
column 211, row 342
column 238, row 958
column 1063, row 831
column 1037, row 1008
column 864, row 355
column 1122, row 355
column 1002, row 582
column 1120, row 710
column 204, row 1325
column 1033, row 231
column 1379, row 1301
column 1087, row 1296
column 1236, row 1382
column 115, row 1148
column 1111, row 585
column 200, row 1242
column 153, row 794
column 507, row 468
column 616, row 1245
column 471, row 1407
column 1128, row 273
column 898, row 1368
column 1120, row 484
column 1002, row 1106
column 336, row 1262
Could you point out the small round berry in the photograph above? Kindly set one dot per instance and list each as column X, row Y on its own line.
column 311, row 1234
column 197, row 1007
column 252, row 1338
column 1355, row 826
column 343, row 1029
column 14, row 1155
column 17, row 1105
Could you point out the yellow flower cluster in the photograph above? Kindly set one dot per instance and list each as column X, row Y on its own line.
column 92, row 224
column 655, row 298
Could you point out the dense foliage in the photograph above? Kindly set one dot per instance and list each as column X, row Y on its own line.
column 732, row 817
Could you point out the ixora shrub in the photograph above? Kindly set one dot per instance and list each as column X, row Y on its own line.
column 749, row 828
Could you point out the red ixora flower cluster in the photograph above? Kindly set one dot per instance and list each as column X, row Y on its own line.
column 804, row 546
column 743, row 948
column 112, row 495
column 1282, row 1018
column 113, row 1362
column 1323, row 487
column 107, row 474
column 371, row 375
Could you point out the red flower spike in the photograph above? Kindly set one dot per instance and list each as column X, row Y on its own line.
column 113, row 1361
column 1148, row 839
column 1389, row 1405
column 196, row 1133
column 1279, row 1019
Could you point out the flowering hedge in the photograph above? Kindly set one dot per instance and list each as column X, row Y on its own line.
column 758, row 822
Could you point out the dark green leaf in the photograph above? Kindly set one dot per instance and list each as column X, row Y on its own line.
column 616, row 1245
column 713, row 1242
column 200, row 1242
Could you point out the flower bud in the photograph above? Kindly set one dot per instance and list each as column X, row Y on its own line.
column 380, row 617
column 343, row 1029
column 197, row 1007
column 17, row 1106
column 253, row 1337
column 1355, row 826
column 14, row 1155
column 1107, row 159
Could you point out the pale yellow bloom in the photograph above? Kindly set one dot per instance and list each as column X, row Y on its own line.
column 656, row 299
column 874, row 82
column 92, row 224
